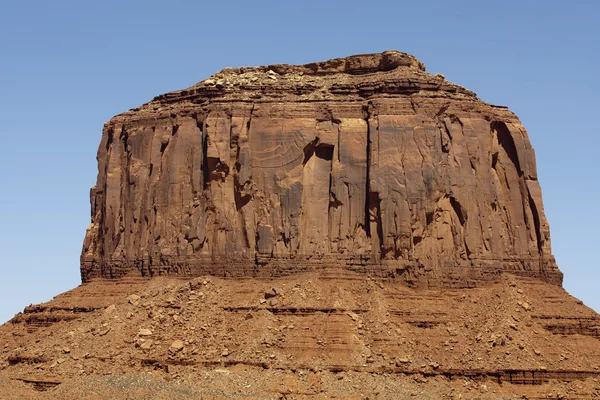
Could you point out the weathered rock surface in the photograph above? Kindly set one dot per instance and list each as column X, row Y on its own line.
column 366, row 163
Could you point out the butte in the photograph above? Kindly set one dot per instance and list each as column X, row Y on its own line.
column 353, row 228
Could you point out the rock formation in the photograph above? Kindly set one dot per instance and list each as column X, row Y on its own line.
column 365, row 163
column 391, row 224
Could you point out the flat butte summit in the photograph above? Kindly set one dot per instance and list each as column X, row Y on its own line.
column 355, row 229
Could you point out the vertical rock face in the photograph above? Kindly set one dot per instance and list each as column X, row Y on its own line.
column 366, row 163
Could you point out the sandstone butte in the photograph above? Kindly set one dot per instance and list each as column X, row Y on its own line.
column 354, row 228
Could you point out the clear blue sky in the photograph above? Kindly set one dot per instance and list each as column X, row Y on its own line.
column 68, row 66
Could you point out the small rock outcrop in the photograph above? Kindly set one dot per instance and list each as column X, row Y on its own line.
column 366, row 163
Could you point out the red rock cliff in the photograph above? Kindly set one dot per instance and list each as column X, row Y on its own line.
column 365, row 163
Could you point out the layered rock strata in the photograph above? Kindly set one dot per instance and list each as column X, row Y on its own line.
column 304, row 336
column 366, row 163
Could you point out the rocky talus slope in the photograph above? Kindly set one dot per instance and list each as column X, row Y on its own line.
column 352, row 229
column 305, row 336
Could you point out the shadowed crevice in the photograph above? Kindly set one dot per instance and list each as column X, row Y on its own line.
column 507, row 142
